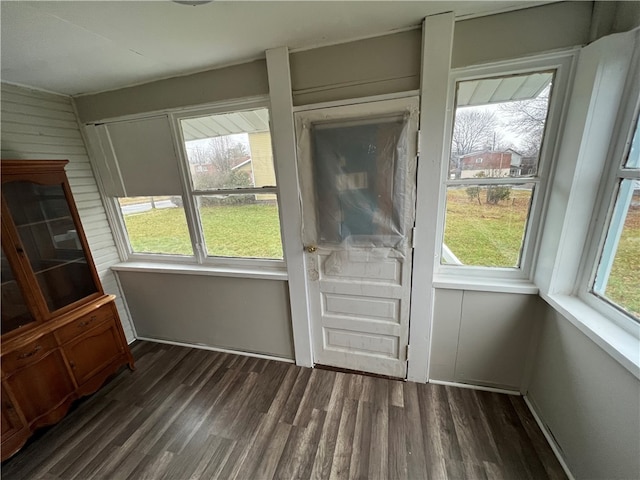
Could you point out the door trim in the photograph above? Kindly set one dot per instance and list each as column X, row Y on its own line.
column 437, row 43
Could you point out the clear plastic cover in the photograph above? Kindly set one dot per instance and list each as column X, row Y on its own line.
column 361, row 182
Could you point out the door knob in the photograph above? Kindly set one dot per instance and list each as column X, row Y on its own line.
column 311, row 248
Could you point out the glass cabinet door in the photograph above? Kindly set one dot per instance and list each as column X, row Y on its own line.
column 14, row 309
column 49, row 239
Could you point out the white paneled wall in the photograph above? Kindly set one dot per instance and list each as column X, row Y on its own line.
column 38, row 125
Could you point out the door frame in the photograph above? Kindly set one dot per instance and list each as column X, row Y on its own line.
column 375, row 108
column 437, row 44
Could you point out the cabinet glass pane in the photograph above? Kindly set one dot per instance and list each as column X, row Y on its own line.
column 14, row 309
column 50, row 241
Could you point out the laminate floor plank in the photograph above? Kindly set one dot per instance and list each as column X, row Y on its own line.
column 189, row 414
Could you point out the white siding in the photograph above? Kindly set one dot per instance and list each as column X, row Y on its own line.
column 38, row 125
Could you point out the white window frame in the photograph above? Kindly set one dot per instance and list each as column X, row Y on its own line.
column 562, row 64
column 189, row 195
column 607, row 200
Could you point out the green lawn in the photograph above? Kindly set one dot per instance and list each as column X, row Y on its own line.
column 478, row 234
column 624, row 282
column 230, row 231
column 490, row 235
column 486, row 235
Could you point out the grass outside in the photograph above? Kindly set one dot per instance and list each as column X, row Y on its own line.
column 491, row 235
column 230, row 231
column 478, row 234
column 486, row 235
column 624, row 281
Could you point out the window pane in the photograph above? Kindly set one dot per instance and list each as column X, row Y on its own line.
column 231, row 150
column 241, row 225
column 156, row 225
column 618, row 276
column 499, row 126
column 485, row 225
column 633, row 160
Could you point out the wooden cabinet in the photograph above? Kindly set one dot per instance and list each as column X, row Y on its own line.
column 61, row 334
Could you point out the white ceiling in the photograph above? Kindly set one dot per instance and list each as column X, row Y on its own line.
column 75, row 47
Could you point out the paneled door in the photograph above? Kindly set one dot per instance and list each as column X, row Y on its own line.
column 357, row 173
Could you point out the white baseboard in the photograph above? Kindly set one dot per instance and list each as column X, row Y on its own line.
column 550, row 440
column 216, row 349
column 475, row 387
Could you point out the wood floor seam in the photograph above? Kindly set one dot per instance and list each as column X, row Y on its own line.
column 189, row 414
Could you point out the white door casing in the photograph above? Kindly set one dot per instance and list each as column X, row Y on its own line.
column 357, row 174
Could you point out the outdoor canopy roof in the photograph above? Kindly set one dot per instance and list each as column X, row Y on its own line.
column 470, row 93
column 251, row 121
column 502, row 89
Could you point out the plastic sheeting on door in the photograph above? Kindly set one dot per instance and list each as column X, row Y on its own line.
column 362, row 182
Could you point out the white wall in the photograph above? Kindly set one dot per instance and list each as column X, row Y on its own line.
column 242, row 314
column 588, row 401
column 381, row 65
column 38, row 125
column 482, row 338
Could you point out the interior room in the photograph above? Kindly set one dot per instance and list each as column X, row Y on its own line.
column 329, row 239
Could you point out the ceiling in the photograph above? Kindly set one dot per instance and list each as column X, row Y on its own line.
column 76, row 47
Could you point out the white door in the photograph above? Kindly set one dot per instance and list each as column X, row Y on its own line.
column 357, row 171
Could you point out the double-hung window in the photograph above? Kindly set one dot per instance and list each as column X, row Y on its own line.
column 615, row 276
column 221, row 203
column 231, row 184
column 498, row 162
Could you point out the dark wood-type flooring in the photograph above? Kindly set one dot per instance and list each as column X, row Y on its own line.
column 188, row 414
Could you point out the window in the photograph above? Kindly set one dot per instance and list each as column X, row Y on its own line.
column 224, row 204
column 232, row 184
column 616, row 279
column 156, row 225
column 493, row 181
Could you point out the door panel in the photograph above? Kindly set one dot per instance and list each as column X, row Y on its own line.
column 357, row 169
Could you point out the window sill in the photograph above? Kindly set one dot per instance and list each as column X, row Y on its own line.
column 622, row 346
column 262, row 273
column 484, row 284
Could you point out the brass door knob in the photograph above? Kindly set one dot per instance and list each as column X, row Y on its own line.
column 311, row 248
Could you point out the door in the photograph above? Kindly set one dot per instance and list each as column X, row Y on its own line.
column 357, row 171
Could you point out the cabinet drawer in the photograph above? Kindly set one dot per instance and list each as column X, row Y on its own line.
column 28, row 354
column 86, row 322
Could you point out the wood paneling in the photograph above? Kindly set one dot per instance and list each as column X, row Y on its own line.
column 39, row 125
column 187, row 413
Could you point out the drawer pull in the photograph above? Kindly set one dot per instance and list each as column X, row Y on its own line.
column 87, row 322
column 31, row 353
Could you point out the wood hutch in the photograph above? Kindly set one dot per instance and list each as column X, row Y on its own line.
column 61, row 334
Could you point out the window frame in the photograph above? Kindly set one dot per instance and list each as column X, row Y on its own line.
column 561, row 65
column 189, row 194
column 606, row 201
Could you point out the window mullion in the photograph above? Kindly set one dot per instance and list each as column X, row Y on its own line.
column 189, row 200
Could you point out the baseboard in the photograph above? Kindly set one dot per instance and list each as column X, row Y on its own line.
column 550, row 440
column 217, row 349
column 475, row 387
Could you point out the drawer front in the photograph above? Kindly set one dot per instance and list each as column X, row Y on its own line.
column 28, row 354
column 86, row 322
column 94, row 351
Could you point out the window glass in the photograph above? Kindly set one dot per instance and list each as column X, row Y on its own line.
column 633, row 160
column 241, row 225
column 498, row 127
column 231, row 150
column 156, row 225
column 485, row 224
column 497, row 136
column 617, row 278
